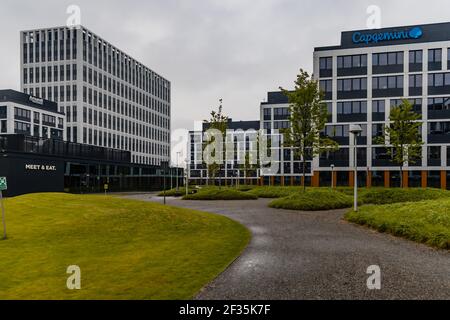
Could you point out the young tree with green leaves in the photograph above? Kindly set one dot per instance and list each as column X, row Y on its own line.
column 402, row 138
column 217, row 121
column 308, row 116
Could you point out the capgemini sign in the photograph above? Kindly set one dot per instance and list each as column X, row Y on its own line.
column 375, row 37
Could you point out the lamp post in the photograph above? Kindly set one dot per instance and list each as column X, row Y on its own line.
column 178, row 153
column 187, row 176
column 355, row 130
column 332, row 176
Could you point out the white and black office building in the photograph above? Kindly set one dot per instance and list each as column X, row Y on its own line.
column 21, row 113
column 367, row 74
column 109, row 99
column 234, row 167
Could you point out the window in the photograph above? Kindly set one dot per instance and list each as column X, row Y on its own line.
column 338, row 131
column 378, row 106
column 3, row 126
column 390, row 82
column 3, row 112
column 355, row 84
column 48, row 120
column 438, row 128
column 416, row 57
column 355, row 107
column 385, row 59
column 415, row 81
column 438, row 79
column 326, row 86
column 267, row 113
column 22, row 128
column 377, row 130
column 437, row 104
column 434, row 55
column 326, row 63
column 22, row 114
column 281, row 113
column 434, row 153
column 355, row 61
column 434, row 59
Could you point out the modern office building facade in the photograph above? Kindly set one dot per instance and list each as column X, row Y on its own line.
column 363, row 78
column 235, row 167
column 109, row 99
column 21, row 113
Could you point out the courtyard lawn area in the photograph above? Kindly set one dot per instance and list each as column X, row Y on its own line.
column 426, row 222
column 126, row 249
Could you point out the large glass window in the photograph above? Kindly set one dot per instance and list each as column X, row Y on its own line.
column 352, row 107
column 378, row 106
column 354, row 61
column 416, row 57
column 384, row 59
column 326, row 63
column 438, row 79
column 434, row 59
column 388, row 82
column 326, row 86
column 3, row 112
column 356, row 84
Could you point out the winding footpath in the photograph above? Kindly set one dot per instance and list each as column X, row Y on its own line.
column 317, row 255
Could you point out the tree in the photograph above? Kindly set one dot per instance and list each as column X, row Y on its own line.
column 402, row 138
column 248, row 168
column 308, row 116
column 217, row 121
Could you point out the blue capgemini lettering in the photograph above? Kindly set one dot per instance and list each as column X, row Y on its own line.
column 375, row 37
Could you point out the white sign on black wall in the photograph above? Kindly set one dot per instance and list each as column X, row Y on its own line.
column 40, row 167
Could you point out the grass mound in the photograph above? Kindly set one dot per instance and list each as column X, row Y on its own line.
column 126, row 249
column 397, row 195
column 274, row 192
column 220, row 194
column 174, row 193
column 313, row 200
column 425, row 222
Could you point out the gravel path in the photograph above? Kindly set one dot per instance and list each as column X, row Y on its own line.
column 317, row 255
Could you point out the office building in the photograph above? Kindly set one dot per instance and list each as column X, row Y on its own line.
column 235, row 168
column 21, row 113
column 363, row 78
column 109, row 99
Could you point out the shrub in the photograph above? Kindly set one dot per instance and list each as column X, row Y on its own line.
column 220, row 194
column 425, row 222
column 396, row 195
column 314, row 200
column 174, row 193
column 274, row 192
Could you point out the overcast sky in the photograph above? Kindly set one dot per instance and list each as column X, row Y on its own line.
column 210, row 49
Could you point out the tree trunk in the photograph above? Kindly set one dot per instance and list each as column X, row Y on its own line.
column 304, row 175
column 401, row 176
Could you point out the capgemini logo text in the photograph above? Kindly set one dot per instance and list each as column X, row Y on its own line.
column 414, row 33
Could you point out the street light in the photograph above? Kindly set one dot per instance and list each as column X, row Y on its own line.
column 178, row 153
column 332, row 176
column 355, row 129
column 187, row 176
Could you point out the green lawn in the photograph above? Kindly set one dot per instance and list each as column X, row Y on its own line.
column 426, row 222
column 126, row 249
